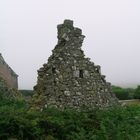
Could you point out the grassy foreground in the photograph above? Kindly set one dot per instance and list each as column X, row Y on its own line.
column 118, row 123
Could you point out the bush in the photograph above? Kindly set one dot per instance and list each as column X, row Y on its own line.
column 121, row 93
column 27, row 93
column 9, row 93
column 115, row 123
column 137, row 93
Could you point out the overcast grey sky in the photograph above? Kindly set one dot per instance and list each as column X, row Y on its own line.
column 112, row 28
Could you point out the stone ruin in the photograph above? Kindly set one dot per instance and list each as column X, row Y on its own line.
column 8, row 81
column 69, row 80
column 6, row 73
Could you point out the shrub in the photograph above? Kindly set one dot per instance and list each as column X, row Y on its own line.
column 137, row 93
column 121, row 93
column 114, row 123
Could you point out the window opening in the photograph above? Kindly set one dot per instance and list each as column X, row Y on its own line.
column 53, row 70
column 81, row 73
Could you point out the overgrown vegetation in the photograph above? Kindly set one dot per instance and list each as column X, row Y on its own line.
column 17, row 122
column 137, row 93
column 126, row 93
column 8, row 93
column 118, row 123
column 27, row 94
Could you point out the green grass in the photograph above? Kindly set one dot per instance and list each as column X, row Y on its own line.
column 130, row 102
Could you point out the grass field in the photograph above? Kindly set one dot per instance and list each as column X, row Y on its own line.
column 130, row 102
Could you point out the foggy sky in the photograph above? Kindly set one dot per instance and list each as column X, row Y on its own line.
column 112, row 28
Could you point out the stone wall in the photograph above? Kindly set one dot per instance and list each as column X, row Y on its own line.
column 8, row 74
column 69, row 80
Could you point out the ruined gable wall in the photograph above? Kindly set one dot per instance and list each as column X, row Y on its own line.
column 69, row 79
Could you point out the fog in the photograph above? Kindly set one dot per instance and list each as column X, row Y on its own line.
column 112, row 28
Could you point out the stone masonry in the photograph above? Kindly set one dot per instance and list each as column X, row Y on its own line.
column 69, row 80
column 10, row 77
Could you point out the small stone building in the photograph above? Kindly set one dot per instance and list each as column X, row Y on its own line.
column 69, row 80
column 6, row 73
